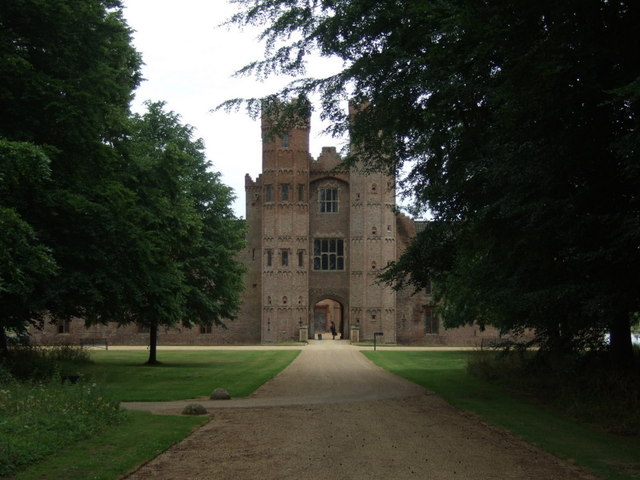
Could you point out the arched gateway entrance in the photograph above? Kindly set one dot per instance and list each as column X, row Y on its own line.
column 325, row 312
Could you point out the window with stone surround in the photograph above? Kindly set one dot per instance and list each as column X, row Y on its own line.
column 328, row 254
column 301, row 258
column 284, row 192
column 301, row 192
column 64, row 326
column 269, row 258
column 204, row 329
column 285, row 140
column 427, row 288
column 328, row 200
column 268, row 193
column 285, row 257
column 431, row 324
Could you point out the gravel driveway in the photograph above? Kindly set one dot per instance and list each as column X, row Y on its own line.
column 332, row 414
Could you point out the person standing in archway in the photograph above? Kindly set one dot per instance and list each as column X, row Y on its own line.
column 333, row 330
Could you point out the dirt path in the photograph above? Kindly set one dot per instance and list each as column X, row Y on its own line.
column 332, row 414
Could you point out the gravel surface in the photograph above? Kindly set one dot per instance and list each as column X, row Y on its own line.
column 332, row 414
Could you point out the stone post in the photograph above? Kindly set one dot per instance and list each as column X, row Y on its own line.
column 303, row 333
column 354, row 334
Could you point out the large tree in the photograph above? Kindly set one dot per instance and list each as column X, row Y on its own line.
column 181, row 256
column 104, row 216
column 67, row 73
column 518, row 122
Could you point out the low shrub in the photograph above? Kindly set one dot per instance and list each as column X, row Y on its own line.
column 5, row 376
column 42, row 363
column 66, row 353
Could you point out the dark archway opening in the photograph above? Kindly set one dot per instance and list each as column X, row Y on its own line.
column 325, row 312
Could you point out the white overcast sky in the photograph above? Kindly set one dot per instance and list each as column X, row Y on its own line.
column 189, row 63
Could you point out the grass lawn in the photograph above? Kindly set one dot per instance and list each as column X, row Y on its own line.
column 613, row 457
column 183, row 374
column 117, row 450
column 142, row 436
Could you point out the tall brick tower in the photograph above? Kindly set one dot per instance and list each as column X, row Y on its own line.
column 373, row 244
column 285, row 230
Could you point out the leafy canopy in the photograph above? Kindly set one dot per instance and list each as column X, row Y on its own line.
column 518, row 123
column 67, row 72
column 184, row 237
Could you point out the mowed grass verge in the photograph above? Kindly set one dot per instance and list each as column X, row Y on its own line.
column 183, row 374
column 115, row 451
column 445, row 373
column 118, row 449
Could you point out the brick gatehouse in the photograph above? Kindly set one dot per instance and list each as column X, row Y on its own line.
column 317, row 238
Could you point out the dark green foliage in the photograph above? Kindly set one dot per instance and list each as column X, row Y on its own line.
column 27, row 264
column 5, row 375
column 67, row 72
column 518, row 122
column 42, row 363
column 104, row 216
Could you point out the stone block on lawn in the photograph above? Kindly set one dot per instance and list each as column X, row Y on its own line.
column 220, row 394
column 194, row 409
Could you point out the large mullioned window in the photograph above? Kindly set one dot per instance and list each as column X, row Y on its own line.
column 328, row 200
column 328, row 254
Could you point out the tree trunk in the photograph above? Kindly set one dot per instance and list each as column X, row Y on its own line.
column 153, row 342
column 620, row 342
column 4, row 342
